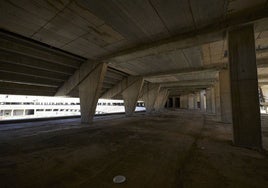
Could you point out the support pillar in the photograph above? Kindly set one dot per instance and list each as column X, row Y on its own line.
column 184, row 101
column 89, row 92
column 191, row 101
column 217, row 101
column 225, row 96
column 150, row 95
column 213, row 100
column 131, row 96
column 208, row 100
column 244, row 88
column 196, row 99
column 161, row 99
column 202, row 101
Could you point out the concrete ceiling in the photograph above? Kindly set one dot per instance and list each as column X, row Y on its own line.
column 43, row 42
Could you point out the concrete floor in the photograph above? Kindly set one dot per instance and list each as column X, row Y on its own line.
column 173, row 149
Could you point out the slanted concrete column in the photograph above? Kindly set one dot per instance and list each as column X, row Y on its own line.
column 161, row 99
column 131, row 96
column 202, row 101
column 89, row 92
column 184, row 101
column 244, row 87
column 208, row 100
column 149, row 96
column 225, row 96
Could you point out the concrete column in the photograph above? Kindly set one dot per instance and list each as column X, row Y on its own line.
column 244, row 87
column 161, row 99
column 225, row 96
column 89, row 92
column 213, row 100
column 202, row 101
column 208, row 101
column 217, row 101
column 131, row 96
column 196, row 99
column 184, row 101
column 191, row 101
column 150, row 95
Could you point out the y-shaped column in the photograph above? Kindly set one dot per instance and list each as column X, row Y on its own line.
column 149, row 96
column 89, row 92
column 161, row 99
column 131, row 95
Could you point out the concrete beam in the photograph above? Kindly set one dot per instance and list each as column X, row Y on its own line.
column 120, row 87
column 150, row 93
column 206, row 34
column 22, row 89
column 244, row 88
column 188, row 88
column 188, row 83
column 28, row 79
column 33, row 49
column 131, row 95
column 192, row 70
column 19, row 69
column 23, row 60
column 89, row 92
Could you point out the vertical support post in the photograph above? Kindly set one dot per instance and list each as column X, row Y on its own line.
column 131, row 95
column 191, row 101
column 225, row 96
column 208, row 100
column 195, row 101
column 213, row 100
column 89, row 92
column 244, row 87
column 202, row 100
column 217, row 101
column 184, row 101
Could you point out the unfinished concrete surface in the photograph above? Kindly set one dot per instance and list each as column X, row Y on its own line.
column 186, row 47
column 172, row 149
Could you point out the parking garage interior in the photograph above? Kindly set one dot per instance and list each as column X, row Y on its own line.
column 201, row 68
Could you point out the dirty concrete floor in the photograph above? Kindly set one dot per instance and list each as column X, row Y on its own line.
column 173, row 149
